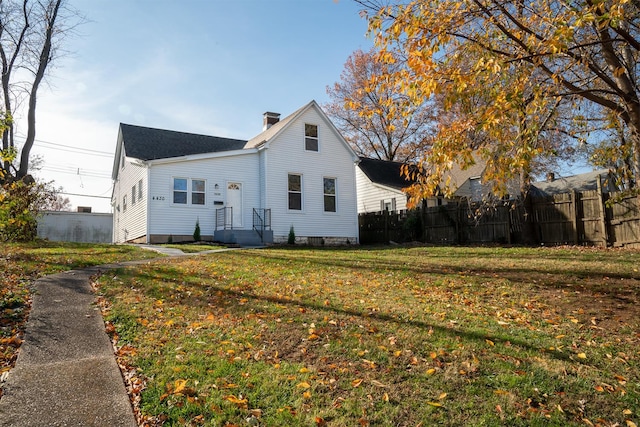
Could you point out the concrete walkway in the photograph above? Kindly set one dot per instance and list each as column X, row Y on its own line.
column 66, row 373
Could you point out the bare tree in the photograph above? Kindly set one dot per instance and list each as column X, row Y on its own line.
column 30, row 37
column 378, row 121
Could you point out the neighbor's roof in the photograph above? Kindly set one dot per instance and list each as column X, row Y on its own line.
column 150, row 144
column 384, row 172
column 458, row 176
column 581, row 182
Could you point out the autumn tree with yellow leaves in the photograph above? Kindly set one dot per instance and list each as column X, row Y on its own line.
column 523, row 73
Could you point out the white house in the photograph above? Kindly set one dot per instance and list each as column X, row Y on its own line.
column 298, row 173
column 379, row 185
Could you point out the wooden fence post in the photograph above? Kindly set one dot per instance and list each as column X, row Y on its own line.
column 603, row 214
column 574, row 216
column 385, row 214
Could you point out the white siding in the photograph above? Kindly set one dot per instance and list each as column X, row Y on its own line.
column 132, row 223
column 371, row 195
column 286, row 154
column 168, row 218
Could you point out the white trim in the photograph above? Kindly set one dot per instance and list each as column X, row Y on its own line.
column 203, row 156
column 335, row 195
column 226, row 199
column 302, row 192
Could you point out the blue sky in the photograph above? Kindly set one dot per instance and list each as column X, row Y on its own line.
column 203, row 66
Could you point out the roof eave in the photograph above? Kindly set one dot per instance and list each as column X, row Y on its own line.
column 204, row 156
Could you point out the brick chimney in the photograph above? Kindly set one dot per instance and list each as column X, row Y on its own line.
column 270, row 119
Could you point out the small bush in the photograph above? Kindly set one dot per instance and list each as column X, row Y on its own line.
column 20, row 203
column 292, row 236
column 196, row 232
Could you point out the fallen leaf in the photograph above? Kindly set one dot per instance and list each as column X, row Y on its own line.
column 435, row 404
column 240, row 403
column 356, row 383
column 491, row 343
column 582, row 355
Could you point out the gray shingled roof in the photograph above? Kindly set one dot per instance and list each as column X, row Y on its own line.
column 581, row 182
column 150, row 144
column 384, row 172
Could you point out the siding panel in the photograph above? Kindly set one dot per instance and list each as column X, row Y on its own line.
column 370, row 195
column 168, row 218
column 287, row 154
column 132, row 223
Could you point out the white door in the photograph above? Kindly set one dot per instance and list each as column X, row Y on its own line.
column 234, row 200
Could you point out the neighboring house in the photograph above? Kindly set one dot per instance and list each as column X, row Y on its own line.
column 379, row 186
column 299, row 172
column 467, row 183
column 581, row 182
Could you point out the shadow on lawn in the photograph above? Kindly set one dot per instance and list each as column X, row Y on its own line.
column 620, row 286
column 225, row 298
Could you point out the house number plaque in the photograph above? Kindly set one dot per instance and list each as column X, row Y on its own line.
column 158, row 198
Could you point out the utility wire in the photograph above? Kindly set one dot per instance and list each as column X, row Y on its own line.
column 83, row 195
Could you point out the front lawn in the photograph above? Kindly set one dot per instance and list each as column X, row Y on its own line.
column 22, row 263
column 385, row 337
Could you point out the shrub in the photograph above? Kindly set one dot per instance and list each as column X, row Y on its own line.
column 196, row 232
column 292, row 236
column 20, row 203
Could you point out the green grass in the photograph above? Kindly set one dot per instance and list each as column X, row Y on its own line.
column 404, row 336
column 22, row 263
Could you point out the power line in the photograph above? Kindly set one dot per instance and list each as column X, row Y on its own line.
column 70, row 148
column 83, row 195
column 77, row 171
column 78, row 150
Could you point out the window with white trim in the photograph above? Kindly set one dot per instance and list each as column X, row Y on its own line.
column 329, row 185
column 133, row 195
column 310, row 137
column 140, row 190
column 124, row 203
column 180, row 191
column 295, row 192
column 197, row 191
column 189, row 191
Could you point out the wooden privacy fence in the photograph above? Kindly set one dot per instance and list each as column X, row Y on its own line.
column 579, row 218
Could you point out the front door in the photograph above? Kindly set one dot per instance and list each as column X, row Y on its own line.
column 234, row 200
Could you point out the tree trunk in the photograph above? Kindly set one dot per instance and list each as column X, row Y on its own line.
column 45, row 58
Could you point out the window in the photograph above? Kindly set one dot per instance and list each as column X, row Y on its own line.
column 187, row 191
column 310, row 137
column 124, row 203
column 133, row 195
column 180, row 191
column 140, row 190
column 329, row 194
column 197, row 192
column 295, row 192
